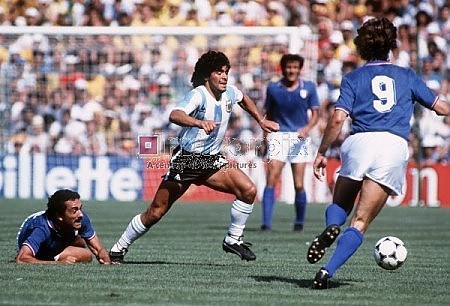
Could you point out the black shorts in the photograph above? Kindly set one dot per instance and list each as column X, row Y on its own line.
column 187, row 167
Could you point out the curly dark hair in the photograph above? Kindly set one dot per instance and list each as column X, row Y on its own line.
column 376, row 37
column 291, row 58
column 206, row 64
column 56, row 203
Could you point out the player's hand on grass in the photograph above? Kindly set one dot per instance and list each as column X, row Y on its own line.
column 103, row 257
column 68, row 259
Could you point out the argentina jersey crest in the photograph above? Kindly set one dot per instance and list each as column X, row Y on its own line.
column 228, row 106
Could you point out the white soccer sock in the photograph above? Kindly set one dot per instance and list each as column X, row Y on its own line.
column 134, row 230
column 240, row 212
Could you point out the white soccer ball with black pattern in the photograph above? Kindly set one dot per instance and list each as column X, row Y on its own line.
column 390, row 253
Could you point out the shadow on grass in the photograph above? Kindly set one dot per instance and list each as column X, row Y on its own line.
column 163, row 262
column 303, row 283
column 258, row 230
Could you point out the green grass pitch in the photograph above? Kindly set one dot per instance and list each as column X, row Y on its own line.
column 180, row 261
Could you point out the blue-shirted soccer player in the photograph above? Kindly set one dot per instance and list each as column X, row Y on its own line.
column 379, row 98
column 203, row 115
column 61, row 234
column 293, row 103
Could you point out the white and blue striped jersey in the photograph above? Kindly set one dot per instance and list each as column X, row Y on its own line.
column 290, row 108
column 200, row 104
column 386, row 102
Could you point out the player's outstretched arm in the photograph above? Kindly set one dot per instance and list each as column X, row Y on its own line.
column 26, row 255
column 442, row 108
column 332, row 130
column 180, row 118
column 304, row 131
column 250, row 107
column 98, row 250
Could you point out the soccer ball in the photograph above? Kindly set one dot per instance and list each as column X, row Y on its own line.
column 390, row 253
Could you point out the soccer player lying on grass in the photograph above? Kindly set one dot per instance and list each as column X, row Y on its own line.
column 203, row 116
column 61, row 234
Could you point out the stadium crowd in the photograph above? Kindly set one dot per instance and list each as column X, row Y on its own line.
column 96, row 99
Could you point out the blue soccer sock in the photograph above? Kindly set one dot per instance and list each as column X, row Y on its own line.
column 347, row 245
column 334, row 214
column 300, row 207
column 268, row 202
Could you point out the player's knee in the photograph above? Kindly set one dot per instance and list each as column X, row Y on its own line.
column 272, row 180
column 249, row 194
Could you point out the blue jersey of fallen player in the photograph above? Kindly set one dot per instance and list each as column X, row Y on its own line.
column 290, row 108
column 386, row 102
column 40, row 235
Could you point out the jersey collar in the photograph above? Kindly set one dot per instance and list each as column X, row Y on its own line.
column 377, row 63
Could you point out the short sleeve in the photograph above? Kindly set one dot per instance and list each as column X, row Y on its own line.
column 314, row 98
column 190, row 102
column 346, row 97
column 424, row 95
column 35, row 240
column 238, row 94
column 87, row 230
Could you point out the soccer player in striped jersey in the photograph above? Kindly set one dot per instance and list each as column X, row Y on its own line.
column 61, row 234
column 203, row 115
column 379, row 97
column 293, row 103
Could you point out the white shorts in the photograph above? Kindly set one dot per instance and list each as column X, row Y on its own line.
column 380, row 156
column 287, row 147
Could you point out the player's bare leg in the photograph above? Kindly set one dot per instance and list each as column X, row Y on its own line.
column 168, row 192
column 345, row 193
column 372, row 199
column 234, row 181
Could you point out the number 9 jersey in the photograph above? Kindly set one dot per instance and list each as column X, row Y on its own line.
column 385, row 103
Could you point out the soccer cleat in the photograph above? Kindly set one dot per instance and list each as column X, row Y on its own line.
column 241, row 249
column 117, row 257
column 265, row 228
column 319, row 245
column 322, row 279
column 298, row 228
